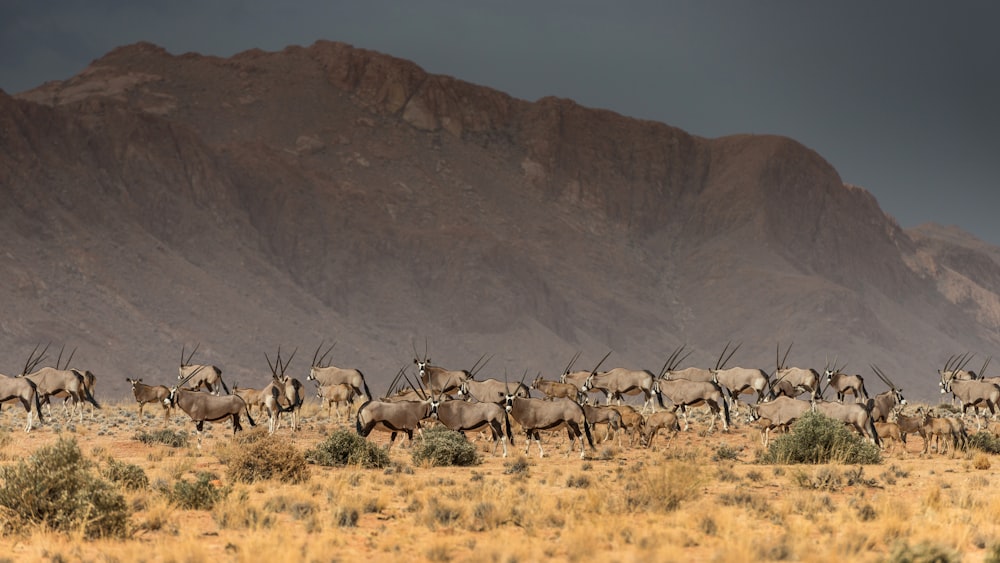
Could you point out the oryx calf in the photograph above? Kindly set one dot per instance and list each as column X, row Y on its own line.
column 606, row 416
column 150, row 394
column 558, row 389
column 665, row 420
column 332, row 396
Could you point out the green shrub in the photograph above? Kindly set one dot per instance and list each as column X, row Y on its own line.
column 345, row 447
column 816, row 438
column 442, row 446
column 128, row 475
column 166, row 437
column 986, row 442
column 258, row 456
column 57, row 487
column 202, row 494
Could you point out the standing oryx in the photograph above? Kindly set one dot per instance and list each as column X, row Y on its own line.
column 737, row 381
column 206, row 407
column 281, row 394
column 684, row 393
column 462, row 416
column 779, row 412
column 49, row 381
column 23, row 390
column 882, row 405
column 670, row 371
column 332, row 396
column 209, row 377
column 393, row 417
column 558, row 389
column 855, row 415
column 490, row 390
column 150, row 394
column 579, row 378
column 844, row 384
column 619, row 381
column 549, row 414
column 971, row 393
column 332, row 375
column 801, row 379
column 440, row 380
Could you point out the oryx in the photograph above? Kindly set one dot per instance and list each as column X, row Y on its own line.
column 440, row 380
column 332, row 396
column 844, row 384
column 332, row 375
column 579, row 379
column 665, row 420
column 490, row 390
column 854, row 415
column 670, row 371
column 631, row 421
column 607, row 416
column 971, row 393
column 89, row 383
column 937, row 428
column 208, row 376
column 549, row 414
column 801, row 379
column 393, row 417
column 49, row 381
column 150, row 394
column 780, row 411
column 882, row 405
column 251, row 396
column 890, row 431
column 685, row 393
column 911, row 425
column 462, row 416
column 737, row 381
column 206, row 407
column 23, row 390
column 281, row 394
column 558, row 389
column 618, row 381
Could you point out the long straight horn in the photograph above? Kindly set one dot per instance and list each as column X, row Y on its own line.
column 190, row 376
column 718, row 361
column 316, row 353
column 420, row 392
column 882, row 376
column 69, row 359
column 785, row 358
column 965, row 361
column 669, row 364
column 274, row 366
column 473, row 371
column 725, row 361
column 572, row 360
column 986, row 364
column 187, row 362
column 31, row 362
column 396, row 379
column 325, row 354
column 593, row 371
column 284, row 366
column 947, row 362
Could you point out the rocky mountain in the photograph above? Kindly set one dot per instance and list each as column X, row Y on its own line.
column 156, row 201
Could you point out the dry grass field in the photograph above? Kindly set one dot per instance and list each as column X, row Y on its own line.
column 696, row 497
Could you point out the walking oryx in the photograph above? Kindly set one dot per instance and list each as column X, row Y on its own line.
column 911, row 425
column 206, row 407
column 685, row 393
column 558, row 389
column 332, row 375
column 670, row 371
column 844, row 384
column 618, row 381
column 665, row 420
column 801, row 379
column 332, row 396
column 49, row 381
column 936, row 428
column 579, row 378
column 23, row 390
column 209, row 377
column 882, row 405
column 490, row 390
column 150, row 394
column 440, row 380
column 393, row 417
column 607, row 416
column 252, row 397
column 780, row 411
column 972, row 393
column 737, row 381
column 462, row 416
column 855, row 415
column 549, row 414
column 631, row 421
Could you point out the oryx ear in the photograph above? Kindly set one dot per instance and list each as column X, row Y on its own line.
column 416, row 360
column 501, row 394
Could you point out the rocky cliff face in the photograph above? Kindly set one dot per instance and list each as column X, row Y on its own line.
column 331, row 193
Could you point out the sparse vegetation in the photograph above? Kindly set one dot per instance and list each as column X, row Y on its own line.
column 816, row 438
column 165, row 436
column 344, row 447
column 129, row 475
column 58, row 488
column 202, row 494
column 258, row 456
column 441, row 447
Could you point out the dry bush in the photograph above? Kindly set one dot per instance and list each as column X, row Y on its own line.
column 165, row 436
column 202, row 494
column 816, row 438
column 345, row 447
column 442, row 447
column 259, row 456
column 57, row 487
column 128, row 475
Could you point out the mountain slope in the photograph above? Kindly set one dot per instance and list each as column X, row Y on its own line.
column 331, row 193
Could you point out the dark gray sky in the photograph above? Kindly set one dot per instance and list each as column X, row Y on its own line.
column 900, row 96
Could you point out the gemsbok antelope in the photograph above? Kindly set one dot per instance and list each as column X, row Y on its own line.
column 206, row 407
column 49, row 381
column 326, row 374
column 333, row 396
column 800, row 379
column 971, row 393
column 463, row 416
column 882, row 405
column 150, row 394
column 207, row 376
column 23, row 390
column 393, row 417
column 549, row 414
column 845, row 384
column 440, row 380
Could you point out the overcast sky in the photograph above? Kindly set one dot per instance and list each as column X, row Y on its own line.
column 900, row 96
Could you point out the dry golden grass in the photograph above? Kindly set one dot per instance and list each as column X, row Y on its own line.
column 678, row 501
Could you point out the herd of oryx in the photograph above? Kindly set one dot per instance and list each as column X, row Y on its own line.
column 459, row 401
